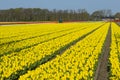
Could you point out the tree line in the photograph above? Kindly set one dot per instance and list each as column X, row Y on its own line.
column 37, row 14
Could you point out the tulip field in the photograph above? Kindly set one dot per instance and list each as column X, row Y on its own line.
column 59, row 51
column 114, row 58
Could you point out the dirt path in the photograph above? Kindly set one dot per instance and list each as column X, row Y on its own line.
column 102, row 69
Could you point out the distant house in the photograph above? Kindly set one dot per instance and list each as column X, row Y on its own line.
column 108, row 18
column 117, row 19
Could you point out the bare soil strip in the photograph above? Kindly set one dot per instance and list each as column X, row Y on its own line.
column 118, row 23
column 103, row 69
column 14, row 23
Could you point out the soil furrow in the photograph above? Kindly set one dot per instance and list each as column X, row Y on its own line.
column 103, row 68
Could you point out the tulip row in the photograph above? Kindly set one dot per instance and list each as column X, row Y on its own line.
column 77, row 63
column 114, row 58
column 15, row 33
column 17, row 45
column 18, row 60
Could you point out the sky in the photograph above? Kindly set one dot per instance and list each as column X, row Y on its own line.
column 89, row 5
